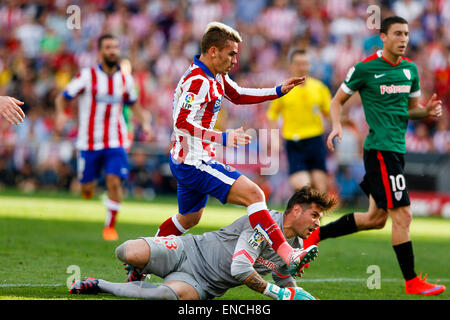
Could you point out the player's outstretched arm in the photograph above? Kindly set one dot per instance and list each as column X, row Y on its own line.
column 10, row 110
column 433, row 108
column 240, row 95
column 336, row 105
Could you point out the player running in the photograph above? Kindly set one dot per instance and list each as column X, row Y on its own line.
column 102, row 132
column 10, row 110
column 389, row 88
column 196, row 104
column 205, row 266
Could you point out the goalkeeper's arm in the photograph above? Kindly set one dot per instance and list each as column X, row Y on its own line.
column 257, row 283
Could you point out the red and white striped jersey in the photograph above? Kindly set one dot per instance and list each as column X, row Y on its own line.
column 196, row 104
column 101, row 124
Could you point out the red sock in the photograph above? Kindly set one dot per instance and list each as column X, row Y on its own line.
column 170, row 227
column 313, row 239
column 112, row 209
column 262, row 221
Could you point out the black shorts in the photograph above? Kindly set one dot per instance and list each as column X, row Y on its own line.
column 384, row 179
column 306, row 155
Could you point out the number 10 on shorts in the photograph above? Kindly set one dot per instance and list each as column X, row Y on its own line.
column 398, row 182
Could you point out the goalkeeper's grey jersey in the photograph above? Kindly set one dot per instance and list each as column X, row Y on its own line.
column 222, row 259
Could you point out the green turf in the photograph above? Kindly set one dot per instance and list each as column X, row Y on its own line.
column 40, row 237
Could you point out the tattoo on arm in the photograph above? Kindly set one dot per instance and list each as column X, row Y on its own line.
column 255, row 282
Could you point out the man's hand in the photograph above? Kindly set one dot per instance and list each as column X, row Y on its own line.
column 335, row 132
column 291, row 83
column 147, row 130
column 434, row 106
column 60, row 121
column 295, row 293
column 237, row 137
column 10, row 110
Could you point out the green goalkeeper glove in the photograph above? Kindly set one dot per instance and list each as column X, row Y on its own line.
column 278, row 293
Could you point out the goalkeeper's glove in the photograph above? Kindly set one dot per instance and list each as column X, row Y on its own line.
column 297, row 293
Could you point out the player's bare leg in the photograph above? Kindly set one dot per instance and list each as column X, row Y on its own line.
column 319, row 180
column 88, row 189
column 246, row 193
column 374, row 218
column 299, row 179
column 112, row 205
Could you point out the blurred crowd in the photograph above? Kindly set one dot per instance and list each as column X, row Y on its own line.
column 40, row 53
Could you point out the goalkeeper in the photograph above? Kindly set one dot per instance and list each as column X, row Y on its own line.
column 200, row 267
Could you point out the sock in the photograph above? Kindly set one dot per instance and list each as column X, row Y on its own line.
column 138, row 289
column 313, row 239
column 170, row 227
column 405, row 257
column 112, row 209
column 341, row 227
column 261, row 220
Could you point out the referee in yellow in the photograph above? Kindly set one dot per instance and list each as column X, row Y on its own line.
column 302, row 110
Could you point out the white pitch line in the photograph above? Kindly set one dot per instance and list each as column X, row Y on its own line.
column 361, row 280
column 25, row 285
column 20, row 285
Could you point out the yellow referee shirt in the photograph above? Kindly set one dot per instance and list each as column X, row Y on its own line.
column 301, row 110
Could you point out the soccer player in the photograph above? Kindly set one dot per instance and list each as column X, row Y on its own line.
column 10, row 110
column 205, row 266
column 302, row 110
column 389, row 88
column 197, row 101
column 102, row 133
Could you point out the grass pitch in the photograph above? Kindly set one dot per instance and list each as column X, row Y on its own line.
column 45, row 240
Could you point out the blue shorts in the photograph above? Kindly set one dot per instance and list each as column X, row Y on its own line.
column 306, row 155
column 194, row 185
column 92, row 163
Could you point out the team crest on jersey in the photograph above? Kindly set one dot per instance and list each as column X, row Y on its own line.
column 407, row 73
column 229, row 168
column 398, row 195
column 217, row 105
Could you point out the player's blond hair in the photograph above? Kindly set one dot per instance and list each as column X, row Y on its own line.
column 217, row 34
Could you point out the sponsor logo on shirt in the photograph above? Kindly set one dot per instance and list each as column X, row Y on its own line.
column 267, row 263
column 108, row 99
column 394, row 89
column 189, row 98
column 256, row 239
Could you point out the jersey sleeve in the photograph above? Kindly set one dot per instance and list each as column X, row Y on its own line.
column 239, row 95
column 130, row 90
column 354, row 80
column 245, row 254
column 194, row 95
column 77, row 85
column 415, row 86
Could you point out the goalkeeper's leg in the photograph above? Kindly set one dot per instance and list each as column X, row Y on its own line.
column 138, row 289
